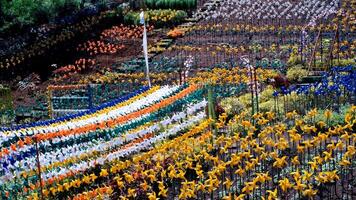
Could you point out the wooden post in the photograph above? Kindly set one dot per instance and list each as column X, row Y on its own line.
column 256, row 88
column 50, row 105
column 312, row 56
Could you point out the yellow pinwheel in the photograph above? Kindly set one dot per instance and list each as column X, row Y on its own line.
column 328, row 156
column 344, row 162
column 295, row 160
column 280, row 162
column 310, row 192
column 240, row 197
column 104, row 173
column 284, row 184
column 307, row 175
column 86, row 179
column 227, row 183
column 93, row 177
column 272, row 195
column 131, row 192
column 144, row 186
column 152, row 196
column 313, row 165
column 227, row 197
column 240, row 171
column 162, row 189
column 128, row 177
column 299, row 186
column 249, row 187
column 120, row 183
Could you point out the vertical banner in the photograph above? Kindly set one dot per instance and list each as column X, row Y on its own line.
column 144, row 44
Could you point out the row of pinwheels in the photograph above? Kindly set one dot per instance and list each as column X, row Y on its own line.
column 280, row 9
column 132, row 78
column 111, row 42
column 71, row 148
column 122, row 32
column 247, row 156
column 217, row 76
column 80, row 65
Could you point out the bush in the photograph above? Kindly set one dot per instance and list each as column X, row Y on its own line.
column 232, row 105
column 269, row 106
column 345, row 62
column 29, row 12
column 294, row 59
column 296, row 73
column 171, row 4
column 266, row 94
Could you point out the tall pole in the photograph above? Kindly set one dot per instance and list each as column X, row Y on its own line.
column 142, row 21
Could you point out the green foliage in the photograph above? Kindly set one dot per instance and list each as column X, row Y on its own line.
column 266, row 94
column 28, row 12
column 236, row 104
column 23, row 11
column 345, row 62
column 5, row 99
column 294, row 59
column 171, row 4
column 296, row 73
column 269, row 106
column 232, row 106
column 336, row 117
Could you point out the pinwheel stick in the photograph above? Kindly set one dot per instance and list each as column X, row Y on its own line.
column 211, row 109
column 39, row 167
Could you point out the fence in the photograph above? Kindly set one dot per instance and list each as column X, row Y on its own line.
column 70, row 99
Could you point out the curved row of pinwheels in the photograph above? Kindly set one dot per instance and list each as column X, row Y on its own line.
column 255, row 157
column 280, row 9
column 69, row 149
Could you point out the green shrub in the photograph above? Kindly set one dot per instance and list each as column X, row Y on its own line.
column 266, row 94
column 294, row 59
column 232, row 105
column 345, row 62
column 237, row 104
column 270, row 106
column 296, row 73
column 171, row 4
column 20, row 13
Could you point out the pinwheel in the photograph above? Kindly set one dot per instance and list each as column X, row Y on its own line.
column 96, row 47
column 260, row 178
column 175, row 33
column 103, row 171
column 121, row 32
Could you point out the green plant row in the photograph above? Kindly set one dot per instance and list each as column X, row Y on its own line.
column 172, row 4
column 158, row 18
